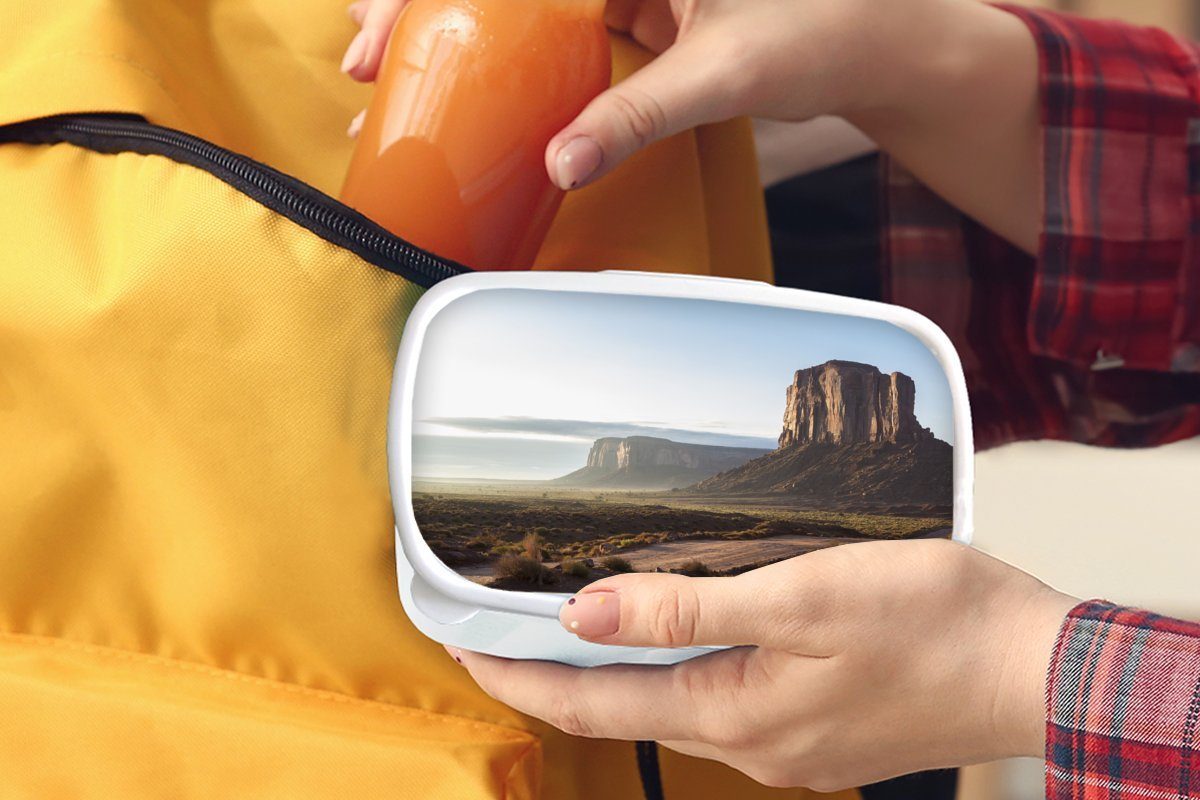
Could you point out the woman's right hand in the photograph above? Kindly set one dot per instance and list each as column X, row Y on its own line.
column 717, row 59
column 948, row 87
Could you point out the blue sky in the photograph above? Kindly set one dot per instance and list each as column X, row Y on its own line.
column 516, row 384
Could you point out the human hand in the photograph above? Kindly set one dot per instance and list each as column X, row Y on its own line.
column 948, row 88
column 850, row 665
column 375, row 20
column 718, row 59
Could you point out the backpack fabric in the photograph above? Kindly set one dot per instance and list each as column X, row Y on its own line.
column 197, row 586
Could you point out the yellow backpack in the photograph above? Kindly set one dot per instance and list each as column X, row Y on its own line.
column 197, row 587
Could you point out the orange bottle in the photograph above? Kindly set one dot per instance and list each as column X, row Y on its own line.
column 452, row 150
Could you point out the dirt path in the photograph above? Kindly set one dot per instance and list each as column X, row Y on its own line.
column 716, row 554
column 479, row 573
column 722, row 554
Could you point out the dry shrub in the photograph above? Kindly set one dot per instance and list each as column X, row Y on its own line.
column 695, row 569
column 523, row 568
column 484, row 541
column 576, row 569
column 531, row 546
column 617, row 564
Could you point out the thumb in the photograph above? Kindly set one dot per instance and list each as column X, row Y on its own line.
column 663, row 610
column 680, row 89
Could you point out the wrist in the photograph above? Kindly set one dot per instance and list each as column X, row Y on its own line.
column 1019, row 714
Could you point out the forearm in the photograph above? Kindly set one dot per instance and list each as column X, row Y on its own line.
column 953, row 96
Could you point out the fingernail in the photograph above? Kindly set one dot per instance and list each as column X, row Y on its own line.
column 356, row 125
column 577, row 161
column 454, row 652
column 592, row 614
column 357, row 11
column 356, row 52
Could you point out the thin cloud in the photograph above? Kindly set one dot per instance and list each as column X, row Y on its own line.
column 589, row 430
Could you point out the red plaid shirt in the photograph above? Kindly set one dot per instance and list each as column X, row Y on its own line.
column 1124, row 707
column 1096, row 340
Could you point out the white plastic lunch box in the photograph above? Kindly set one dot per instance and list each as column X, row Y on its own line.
column 567, row 425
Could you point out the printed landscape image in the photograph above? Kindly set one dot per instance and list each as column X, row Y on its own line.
column 722, row 439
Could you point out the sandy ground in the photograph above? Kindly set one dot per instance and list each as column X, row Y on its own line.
column 721, row 554
column 716, row 554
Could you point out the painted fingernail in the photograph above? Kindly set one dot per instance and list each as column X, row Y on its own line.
column 356, row 125
column 356, row 53
column 577, row 161
column 592, row 614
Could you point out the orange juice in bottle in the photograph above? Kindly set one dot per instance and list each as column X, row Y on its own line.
column 451, row 152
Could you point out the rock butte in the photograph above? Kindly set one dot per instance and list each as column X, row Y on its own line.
column 649, row 462
column 648, row 451
column 844, row 403
column 850, row 439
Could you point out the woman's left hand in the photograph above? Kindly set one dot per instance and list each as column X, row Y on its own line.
column 850, row 665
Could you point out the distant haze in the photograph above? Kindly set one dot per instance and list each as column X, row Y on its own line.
column 518, row 384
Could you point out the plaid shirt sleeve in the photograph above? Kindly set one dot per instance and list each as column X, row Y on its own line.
column 1097, row 339
column 1117, row 276
column 1124, row 707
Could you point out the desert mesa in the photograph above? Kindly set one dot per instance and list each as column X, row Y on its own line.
column 852, row 463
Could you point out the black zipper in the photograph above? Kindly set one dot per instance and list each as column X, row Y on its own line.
column 318, row 212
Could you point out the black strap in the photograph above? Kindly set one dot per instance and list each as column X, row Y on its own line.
column 647, row 758
column 939, row 785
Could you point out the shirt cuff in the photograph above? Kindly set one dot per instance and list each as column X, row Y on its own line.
column 1123, row 703
column 1121, row 128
